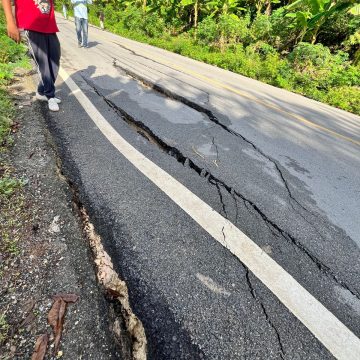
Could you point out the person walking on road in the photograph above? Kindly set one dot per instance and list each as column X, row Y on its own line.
column 101, row 19
column 35, row 20
column 81, row 21
column 64, row 11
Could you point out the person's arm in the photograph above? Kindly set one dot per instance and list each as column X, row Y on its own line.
column 12, row 29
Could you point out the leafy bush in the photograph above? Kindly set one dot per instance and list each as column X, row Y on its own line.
column 306, row 56
column 207, row 31
column 338, row 28
column 153, row 25
column 6, row 113
column 150, row 24
column 132, row 18
column 317, row 69
column 283, row 34
column 346, row 98
column 227, row 29
column 261, row 28
column 10, row 53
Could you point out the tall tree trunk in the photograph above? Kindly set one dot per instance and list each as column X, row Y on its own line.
column 357, row 57
column 196, row 13
column 268, row 10
column 300, row 37
column 144, row 6
column 314, row 35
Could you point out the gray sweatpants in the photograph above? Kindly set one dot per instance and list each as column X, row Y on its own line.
column 45, row 49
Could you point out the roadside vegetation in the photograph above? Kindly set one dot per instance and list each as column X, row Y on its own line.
column 12, row 57
column 311, row 47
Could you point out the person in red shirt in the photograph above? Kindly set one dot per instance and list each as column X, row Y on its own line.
column 37, row 19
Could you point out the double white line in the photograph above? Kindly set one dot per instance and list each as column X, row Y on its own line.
column 331, row 332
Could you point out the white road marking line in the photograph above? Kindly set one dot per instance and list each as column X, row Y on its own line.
column 330, row 331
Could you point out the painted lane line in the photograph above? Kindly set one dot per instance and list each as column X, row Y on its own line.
column 330, row 331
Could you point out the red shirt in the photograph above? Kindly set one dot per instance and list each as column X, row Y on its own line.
column 36, row 15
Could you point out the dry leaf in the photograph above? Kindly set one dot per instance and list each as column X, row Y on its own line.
column 69, row 298
column 56, row 320
column 40, row 347
column 56, row 315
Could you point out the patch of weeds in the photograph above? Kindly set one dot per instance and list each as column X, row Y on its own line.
column 6, row 115
column 11, row 244
column 8, row 185
column 4, row 328
column 12, row 205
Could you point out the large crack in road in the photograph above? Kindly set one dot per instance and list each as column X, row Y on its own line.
column 212, row 117
column 174, row 152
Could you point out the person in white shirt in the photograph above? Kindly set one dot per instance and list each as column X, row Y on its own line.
column 81, row 21
column 64, row 11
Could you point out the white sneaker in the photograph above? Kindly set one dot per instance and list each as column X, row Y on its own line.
column 44, row 98
column 53, row 104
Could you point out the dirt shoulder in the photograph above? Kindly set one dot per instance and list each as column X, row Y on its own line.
column 44, row 251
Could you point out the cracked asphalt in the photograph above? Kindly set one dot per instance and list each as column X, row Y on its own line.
column 289, row 186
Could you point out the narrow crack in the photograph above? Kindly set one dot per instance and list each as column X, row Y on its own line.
column 223, row 232
column 258, row 300
column 213, row 180
column 221, row 199
column 236, row 206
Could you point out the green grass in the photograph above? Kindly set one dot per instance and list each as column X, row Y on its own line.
column 8, row 185
column 12, row 57
column 6, row 116
column 4, row 328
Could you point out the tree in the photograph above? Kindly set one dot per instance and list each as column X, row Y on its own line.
column 312, row 14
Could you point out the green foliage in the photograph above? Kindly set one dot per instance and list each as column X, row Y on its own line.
column 8, row 185
column 306, row 56
column 346, row 98
column 316, row 67
column 261, row 28
column 4, row 329
column 6, row 114
column 207, row 31
column 11, row 54
column 226, row 30
column 310, row 15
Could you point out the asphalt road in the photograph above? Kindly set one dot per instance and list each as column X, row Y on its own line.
column 283, row 169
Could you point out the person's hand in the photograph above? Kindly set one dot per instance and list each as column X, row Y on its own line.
column 13, row 32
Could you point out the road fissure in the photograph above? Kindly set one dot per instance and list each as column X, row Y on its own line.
column 174, row 152
column 213, row 118
column 126, row 328
column 331, row 332
column 263, row 309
